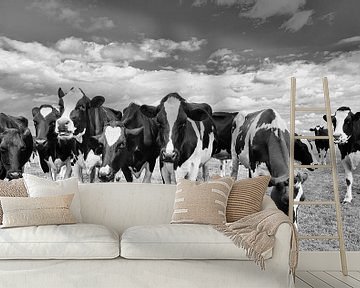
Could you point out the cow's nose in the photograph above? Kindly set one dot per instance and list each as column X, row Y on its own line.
column 14, row 175
column 40, row 142
column 168, row 156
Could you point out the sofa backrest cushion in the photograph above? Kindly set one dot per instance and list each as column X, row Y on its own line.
column 122, row 205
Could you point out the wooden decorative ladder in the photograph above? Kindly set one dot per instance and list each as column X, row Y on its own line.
column 332, row 165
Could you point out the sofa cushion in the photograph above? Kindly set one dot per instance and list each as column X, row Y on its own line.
column 201, row 202
column 14, row 188
column 246, row 197
column 41, row 187
column 28, row 211
column 181, row 241
column 73, row 241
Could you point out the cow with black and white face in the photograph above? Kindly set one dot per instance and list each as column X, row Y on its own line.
column 187, row 136
column 260, row 142
column 44, row 118
column 347, row 135
column 16, row 146
column 143, row 147
column 322, row 145
column 112, row 144
column 83, row 118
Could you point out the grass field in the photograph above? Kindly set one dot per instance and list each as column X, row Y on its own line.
column 312, row 219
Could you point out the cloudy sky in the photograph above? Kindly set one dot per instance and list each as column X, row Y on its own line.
column 236, row 55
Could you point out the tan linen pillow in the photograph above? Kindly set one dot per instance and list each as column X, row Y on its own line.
column 246, row 197
column 201, row 203
column 29, row 211
column 13, row 188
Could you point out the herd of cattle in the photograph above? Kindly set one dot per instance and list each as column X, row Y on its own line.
column 80, row 135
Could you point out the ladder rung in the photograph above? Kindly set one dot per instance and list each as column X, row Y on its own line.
column 315, row 202
column 311, row 137
column 313, row 166
column 310, row 109
column 319, row 237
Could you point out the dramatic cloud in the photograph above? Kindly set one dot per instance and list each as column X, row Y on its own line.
column 351, row 40
column 264, row 9
column 298, row 20
column 32, row 72
column 149, row 49
column 58, row 10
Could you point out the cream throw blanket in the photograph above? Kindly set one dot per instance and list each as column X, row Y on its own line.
column 256, row 234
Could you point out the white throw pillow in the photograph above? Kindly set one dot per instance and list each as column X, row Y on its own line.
column 40, row 187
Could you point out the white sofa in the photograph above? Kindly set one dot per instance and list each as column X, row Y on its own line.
column 119, row 206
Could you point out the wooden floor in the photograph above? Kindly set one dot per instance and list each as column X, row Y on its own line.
column 327, row 279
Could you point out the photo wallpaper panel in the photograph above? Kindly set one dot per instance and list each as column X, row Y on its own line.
column 152, row 91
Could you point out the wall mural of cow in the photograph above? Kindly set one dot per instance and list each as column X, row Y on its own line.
column 81, row 119
column 347, row 137
column 187, row 136
column 16, row 146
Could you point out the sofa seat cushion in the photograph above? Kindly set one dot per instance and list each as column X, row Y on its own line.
column 73, row 241
column 180, row 241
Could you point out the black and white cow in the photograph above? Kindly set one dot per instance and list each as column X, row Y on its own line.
column 16, row 145
column 143, row 147
column 113, row 145
column 261, row 143
column 187, row 136
column 304, row 152
column 322, row 145
column 55, row 153
column 223, row 122
column 347, row 137
column 83, row 118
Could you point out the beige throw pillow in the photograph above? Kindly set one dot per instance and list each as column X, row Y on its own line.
column 14, row 188
column 246, row 197
column 201, row 203
column 41, row 187
column 27, row 211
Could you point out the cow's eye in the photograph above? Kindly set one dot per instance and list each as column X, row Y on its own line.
column 121, row 145
column 35, row 123
column 52, row 123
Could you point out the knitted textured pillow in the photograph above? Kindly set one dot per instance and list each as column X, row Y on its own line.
column 29, row 211
column 246, row 197
column 14, row 188
column 201, row 203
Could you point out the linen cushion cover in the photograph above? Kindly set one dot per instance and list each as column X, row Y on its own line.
column 26, row 211
column 181, row 241
column 246, row 197
column 72, row 241
column 14, row 188
column 201, row 203
column 40, row 187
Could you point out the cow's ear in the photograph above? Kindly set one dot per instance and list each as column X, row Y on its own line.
column 97, row 101
column 61, row 93
column 313, row 129
column 27, row 132
column 24, row 121
column 149, row 111
column 95, row 144
column 134, row 132
column 35, row 111
column 196, row 112
column 357, row 116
